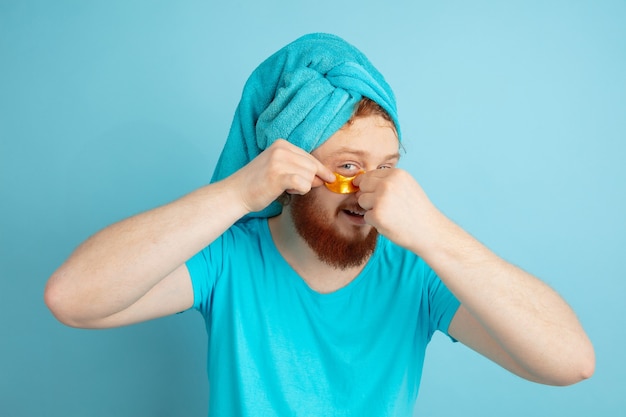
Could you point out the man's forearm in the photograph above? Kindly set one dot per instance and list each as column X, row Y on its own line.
column 531, row 322
column 118, row 265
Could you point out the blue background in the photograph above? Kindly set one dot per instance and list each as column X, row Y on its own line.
column 514, row 115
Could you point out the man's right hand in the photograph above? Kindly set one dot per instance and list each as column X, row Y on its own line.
column 134, row 270
column 281, row 167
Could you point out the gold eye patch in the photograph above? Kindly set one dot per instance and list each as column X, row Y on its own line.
column 343, row 185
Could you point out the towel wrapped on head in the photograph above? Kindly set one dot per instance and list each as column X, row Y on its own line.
column 303, row 93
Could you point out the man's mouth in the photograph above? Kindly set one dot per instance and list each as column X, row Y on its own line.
column 355, row 213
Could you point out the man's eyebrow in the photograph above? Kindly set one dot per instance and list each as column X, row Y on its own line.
column 360, row 153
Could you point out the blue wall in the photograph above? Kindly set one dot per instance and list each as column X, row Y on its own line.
column 514, row 115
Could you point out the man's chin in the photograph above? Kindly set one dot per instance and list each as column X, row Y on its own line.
column 343, row 249
column 343, row 242
column 354, row 233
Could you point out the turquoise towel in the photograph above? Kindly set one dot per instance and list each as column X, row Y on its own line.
column 303, row 93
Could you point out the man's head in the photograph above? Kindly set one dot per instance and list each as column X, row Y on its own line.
column 303, row 93
column 332, row 224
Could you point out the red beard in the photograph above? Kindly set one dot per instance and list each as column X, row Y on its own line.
column 331, row 247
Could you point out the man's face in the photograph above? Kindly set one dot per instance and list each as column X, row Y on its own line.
column 332, row 224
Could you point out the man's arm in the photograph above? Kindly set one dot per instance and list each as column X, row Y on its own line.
column 117, row 276
column 507, row 314
column 135, row 270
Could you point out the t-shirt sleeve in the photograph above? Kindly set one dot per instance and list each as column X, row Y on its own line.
column 204, row 268
column 443, row 304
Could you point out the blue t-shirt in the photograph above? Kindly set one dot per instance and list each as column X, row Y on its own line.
column 278, row 348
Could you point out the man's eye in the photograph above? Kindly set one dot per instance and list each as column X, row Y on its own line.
column 348, row 167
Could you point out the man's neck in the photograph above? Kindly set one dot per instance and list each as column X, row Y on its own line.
column 318, row 275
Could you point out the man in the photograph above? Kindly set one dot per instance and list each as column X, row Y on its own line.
column 319, row 299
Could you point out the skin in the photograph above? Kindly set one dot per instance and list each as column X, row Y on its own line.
column 134, row 270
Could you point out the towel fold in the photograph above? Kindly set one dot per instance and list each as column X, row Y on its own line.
column 303, row 93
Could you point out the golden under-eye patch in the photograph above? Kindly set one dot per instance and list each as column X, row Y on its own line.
column 343, row 185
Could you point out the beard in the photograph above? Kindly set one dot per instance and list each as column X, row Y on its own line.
column 330, row 246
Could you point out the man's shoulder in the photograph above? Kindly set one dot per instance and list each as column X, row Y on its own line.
column 249, row 226
column 386, row 246
column 249, row 234
column 392, row 256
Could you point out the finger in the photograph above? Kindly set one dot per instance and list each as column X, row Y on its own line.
column 317, row 181
column 298, row 184
column 357, row 180
column 320, row 174
column 323, row 172
column 365, row 182
column 366, row 200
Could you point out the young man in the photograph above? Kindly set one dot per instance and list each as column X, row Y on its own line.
column 323, row 305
